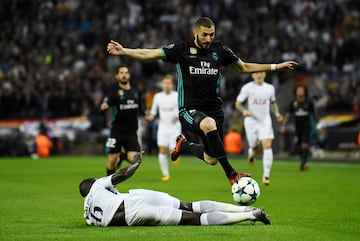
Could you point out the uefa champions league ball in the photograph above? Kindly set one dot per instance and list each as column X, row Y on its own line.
column 245, row 191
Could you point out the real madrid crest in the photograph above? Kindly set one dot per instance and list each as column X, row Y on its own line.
column 193, row 50
column 121, row 92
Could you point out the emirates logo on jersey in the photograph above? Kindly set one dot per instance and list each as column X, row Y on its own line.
column 205, row 69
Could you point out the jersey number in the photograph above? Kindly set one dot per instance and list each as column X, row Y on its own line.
column 111, row 142
column 97, row 214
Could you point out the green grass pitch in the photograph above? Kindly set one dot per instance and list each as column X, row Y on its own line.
column 40, row 200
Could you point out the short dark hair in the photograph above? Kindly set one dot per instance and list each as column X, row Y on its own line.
column 121, row 66
column 299, row 86
column 85, row 186
column 205, row 22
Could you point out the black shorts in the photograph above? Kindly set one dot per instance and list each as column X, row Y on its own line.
column 303, row 134
column 190, row 122
column 120, row 139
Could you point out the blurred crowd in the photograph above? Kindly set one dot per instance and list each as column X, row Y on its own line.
column 53, row 60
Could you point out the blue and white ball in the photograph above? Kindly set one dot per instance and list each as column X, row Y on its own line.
column 245, row 191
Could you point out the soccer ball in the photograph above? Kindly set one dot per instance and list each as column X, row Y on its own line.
column 245, row 191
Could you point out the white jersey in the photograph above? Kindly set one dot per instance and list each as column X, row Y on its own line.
column 259, row 98
column 102, row 202
column 167, row 107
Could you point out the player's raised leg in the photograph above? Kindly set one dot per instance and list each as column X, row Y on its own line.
column 214, row 148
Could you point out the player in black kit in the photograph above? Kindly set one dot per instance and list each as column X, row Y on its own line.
column 200, row 106
column 125, row 104
column 303, row 111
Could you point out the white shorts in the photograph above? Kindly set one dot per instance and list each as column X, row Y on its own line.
column 257, row 131
column 148, row 207
column 167, row 136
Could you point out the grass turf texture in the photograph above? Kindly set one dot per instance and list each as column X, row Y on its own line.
column 40, row 200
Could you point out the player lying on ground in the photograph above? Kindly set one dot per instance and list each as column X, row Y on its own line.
column 105, row 206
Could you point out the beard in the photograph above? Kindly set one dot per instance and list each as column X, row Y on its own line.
column 124, row 81
column 203, row 45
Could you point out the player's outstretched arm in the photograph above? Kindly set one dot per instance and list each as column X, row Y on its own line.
column 128, row 171
column 116, row 48
column 244, row 67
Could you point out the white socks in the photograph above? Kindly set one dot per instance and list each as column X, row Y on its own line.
column 217, row 218
column 163, row 163
column 215, row 213
column 213, row 206
column 267, row 162
column 250, row 152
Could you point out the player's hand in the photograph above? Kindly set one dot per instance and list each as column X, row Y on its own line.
column 246, row 113
column 279, row 117
column 114, row 48
column 104, row 106
column 287, row 64
column 138, row 158
column 149, row 118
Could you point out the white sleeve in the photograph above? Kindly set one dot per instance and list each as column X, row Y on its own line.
column 273, row 97
column 155, row 105
column 243, row 95
column 104, row 182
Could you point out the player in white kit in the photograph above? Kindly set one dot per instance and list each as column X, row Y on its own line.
column 165, row 104
column 105, row 206
column 259, row 96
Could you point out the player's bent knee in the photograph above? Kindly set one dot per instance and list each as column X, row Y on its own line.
column 208, row 124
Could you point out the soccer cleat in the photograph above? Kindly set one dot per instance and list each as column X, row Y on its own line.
column 177, row 152
column 165, row 178
column 176, row 162
column 266, row 181
column 236, row 176
column 251, row 161
column 304, row 167
column 261, row 216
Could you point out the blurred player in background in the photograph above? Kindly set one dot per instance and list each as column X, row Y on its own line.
column 165, row 104
column 105, row 206
column 124, row 103
column 200, row 106
column 43, row 142
column 259, row 97
column 303, row 112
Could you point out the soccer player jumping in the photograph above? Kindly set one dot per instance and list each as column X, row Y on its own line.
column 200, row 107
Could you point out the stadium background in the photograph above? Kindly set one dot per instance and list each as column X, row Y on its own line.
column 54, row 65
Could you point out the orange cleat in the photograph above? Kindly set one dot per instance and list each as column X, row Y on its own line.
column 235, row 176
column 177, row 152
